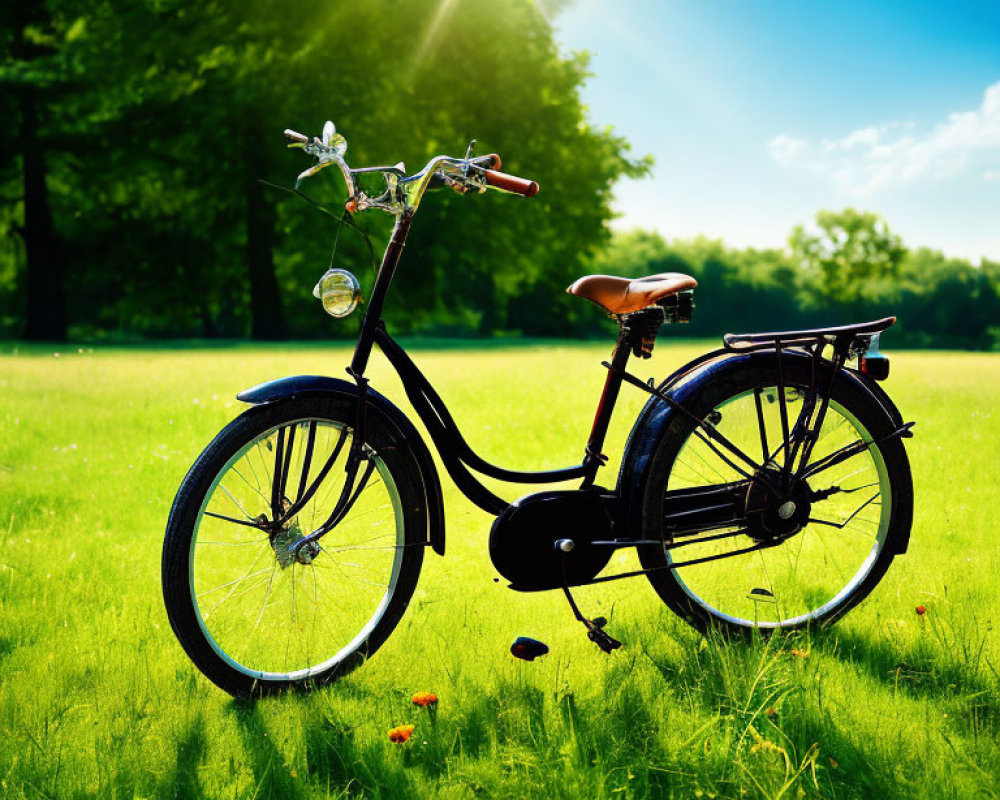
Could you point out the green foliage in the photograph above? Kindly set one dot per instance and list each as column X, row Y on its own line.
column 853, row 254
column 856, row 269
column 158, row 118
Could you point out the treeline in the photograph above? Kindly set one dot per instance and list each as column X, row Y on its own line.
column 848, row 267
column 136, row 134
column 139, row 138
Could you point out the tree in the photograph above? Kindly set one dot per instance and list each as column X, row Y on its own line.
column 160, row 118
column 30, row 75
column 852, row 251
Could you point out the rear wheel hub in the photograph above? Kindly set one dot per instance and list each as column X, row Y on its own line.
column 774, row 516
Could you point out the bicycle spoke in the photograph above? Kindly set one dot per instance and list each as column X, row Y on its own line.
column 761, row 426
column 263, row 608
column 228, row 544
column 263, row 462
column 709, row 465
column 253, row 470
column 842, row 524
column 725, row 460
column 237, row 580
column 235, row 521
column 235, row 585
column 701, row 475
column 232, row 497
column 836, row 457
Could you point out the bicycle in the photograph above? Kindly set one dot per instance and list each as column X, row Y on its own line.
column 764, row 486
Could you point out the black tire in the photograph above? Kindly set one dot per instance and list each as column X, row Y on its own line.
column 212, row 535
column 728, row 594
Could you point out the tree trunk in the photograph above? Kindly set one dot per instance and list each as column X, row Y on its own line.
column 46, row 319
column 267, row 318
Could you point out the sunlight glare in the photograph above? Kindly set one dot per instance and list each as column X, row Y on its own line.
column 429, row 37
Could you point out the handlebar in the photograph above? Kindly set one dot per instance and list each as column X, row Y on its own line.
column 405, row 191
column 511, row 183
column 508, row 183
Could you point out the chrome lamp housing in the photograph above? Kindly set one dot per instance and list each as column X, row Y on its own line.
column 339, row 292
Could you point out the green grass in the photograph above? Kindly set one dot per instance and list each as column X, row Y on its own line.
column 97, row 698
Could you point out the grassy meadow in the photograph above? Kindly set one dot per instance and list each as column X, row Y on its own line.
column 97, row 699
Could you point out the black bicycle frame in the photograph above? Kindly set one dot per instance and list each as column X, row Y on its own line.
column 458, row 457
column 460, row 460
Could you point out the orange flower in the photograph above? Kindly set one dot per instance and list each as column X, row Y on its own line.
column 425, row 699
column 401, row 733
column 795, row 651
column 921, row 610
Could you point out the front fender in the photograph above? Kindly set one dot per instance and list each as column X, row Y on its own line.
column 409, row 440
column 656, row 416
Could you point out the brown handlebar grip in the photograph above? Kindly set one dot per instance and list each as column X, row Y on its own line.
column 511, row 183
column 495, row 162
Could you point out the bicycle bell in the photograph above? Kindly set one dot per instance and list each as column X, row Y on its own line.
column 339, row 292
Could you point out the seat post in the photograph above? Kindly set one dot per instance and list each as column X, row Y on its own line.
column 594, row 458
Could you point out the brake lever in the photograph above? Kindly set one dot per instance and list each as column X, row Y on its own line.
column 463, row 186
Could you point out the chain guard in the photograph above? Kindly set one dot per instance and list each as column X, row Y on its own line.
column 523, row 537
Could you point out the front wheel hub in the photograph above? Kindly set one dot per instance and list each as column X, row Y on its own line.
column 287, row 549
column 773, row 516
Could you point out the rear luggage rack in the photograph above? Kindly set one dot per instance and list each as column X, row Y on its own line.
column 841, row 333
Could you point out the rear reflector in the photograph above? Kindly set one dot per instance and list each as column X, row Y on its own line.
column 875, row 366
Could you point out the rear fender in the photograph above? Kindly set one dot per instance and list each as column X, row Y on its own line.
column 656, row 416
column 407, row 437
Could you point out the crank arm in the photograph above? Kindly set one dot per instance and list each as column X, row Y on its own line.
column 595, row 626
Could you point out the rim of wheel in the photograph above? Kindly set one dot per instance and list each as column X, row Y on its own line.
column 276, row 621
column 758, row 589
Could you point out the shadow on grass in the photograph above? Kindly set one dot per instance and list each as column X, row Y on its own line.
column 743, row 683
column 183, row 781
column 334, row 759
column 272, row 776
column 7, row 646
column 920, row 669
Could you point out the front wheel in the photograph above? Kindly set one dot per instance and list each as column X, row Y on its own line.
column 253, row 612
column 812, row 552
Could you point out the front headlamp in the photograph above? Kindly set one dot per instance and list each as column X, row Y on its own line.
column 339, row 292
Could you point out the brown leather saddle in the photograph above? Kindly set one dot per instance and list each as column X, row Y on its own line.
column 623, row 295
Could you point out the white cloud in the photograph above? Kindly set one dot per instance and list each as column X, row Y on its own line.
column 785, row 149
column 878, row 157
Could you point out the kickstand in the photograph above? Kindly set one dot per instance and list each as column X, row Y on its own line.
column 595, row 626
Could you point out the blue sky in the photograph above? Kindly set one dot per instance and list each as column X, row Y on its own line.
column 759, row 113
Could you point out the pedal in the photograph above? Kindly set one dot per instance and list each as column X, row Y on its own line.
column 601, row 639
column 595, row 626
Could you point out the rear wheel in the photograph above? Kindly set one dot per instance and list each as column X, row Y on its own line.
column 813, row 551
column 254, row 613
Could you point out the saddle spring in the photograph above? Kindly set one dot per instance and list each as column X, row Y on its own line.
column 640, row 327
